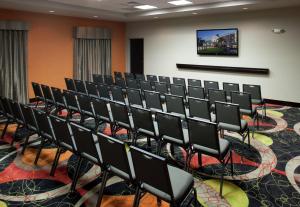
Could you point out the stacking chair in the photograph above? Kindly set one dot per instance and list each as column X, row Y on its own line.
column 10, row 118
column 118, row 74
column 154, row 175
column 59, row 100
column 2, row 110
column 196, row 92
column 71, row 103
column 216, row 95
column 153, row 100
column 116, row 161
column 80, row 86
column 228, row 118
column 134, row 97
column 129, row 75
column 132, row 83
column 85, row 107
column 151, row 78
column 103, row 90
column 204, row 139
column 120, row 82
column 175, row 104
column 101, row 113
column 178, row 90
column 199, row 108
column 140, row 76
column 117, row 94
column 98, row 79
column 179, row 81
column 170, row 131
column 164, row 79
column 145, row 85
column 194, row 82
column 18, row 116
column 70, row 84
column 48, row 97
column 229, row 87
column 210, row 85
column 256, row 98
column 161, row 87
column 92, row 90
column 108, row 79
column 38, row 93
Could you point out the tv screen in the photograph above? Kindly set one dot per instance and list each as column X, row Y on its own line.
column 223, row 42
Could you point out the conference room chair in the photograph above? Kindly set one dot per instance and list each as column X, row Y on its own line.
column 103, row 90
column 196, row 92
column 134, row 97
column 175, row 104
column 80, row 86
column 204, row 139
column 85, row 107
column 161, row 87
column 38, row 93
column 2, row 110
column 228, row 118
column 92, row 90
column 200, row 108
column 256, row 97
column 71, row 103
column 132, row 83
column 101, row 112
column 48, row 97
column 170, row 131
column 178, row 90
column 18, row 117
column 98, row 79
column 140, row 77
column 70, row 84
column 129, row 76
column 229, row 87
column 179, row 81
column 164, row 79
column 108, row 79
column 216, row 95
column 145, row 85
column 117, row 94
column 120, row 82
column 59, row 99
column 210, row 85
column 118, row 74
column 153, row 100
column 164, row 181
column 116, row 161
column 10, row 118
column 151, row 78
column 194, row 82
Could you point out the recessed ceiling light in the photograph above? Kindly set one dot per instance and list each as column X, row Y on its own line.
column 95, row 16
column 245, row 8
column 155, row 17
column 180, row 2
column 51, row 11
column 194, row 13
column 145, row 7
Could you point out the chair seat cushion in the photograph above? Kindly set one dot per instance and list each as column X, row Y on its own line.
column 249, row 112
column 234, row 128
column 224, row 147
column 177, row 140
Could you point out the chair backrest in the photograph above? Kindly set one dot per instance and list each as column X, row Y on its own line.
column 142, row 119
column 108, row 79
column 115, row 157
column 117, row 94
column 100, row 108
column 120, row 113
column 29, row 117
column 92, row 89
column 151, row 170
column 194, row 82
column 153, row 100
column 70, row 84
column 199, row 108
column 179, row 81
column 80, row 86
column 211, row 85
column 118, row 74
column 85, row 105
column 228, row 113
column 134, row 97
column 229, row 87
column 71, row 100
column 164, row 79
column 58, row 97
column 61, row 132
column 161, row 87
column 196, row 92
column 145, row 85
column 86, row 143
column 120, row 82
column 152, row 78
column 37, row 90
column 7, row 107
column 43, row 123
column 242, row 99
column 2, row 110
column 216, row 95
column 103, row 90
column 16, row 110
column 98, row 79
column 132, row 83
column 254, row 90
column 169, row 125
column 203, row 133
column 129, row 75
column 47, row 93
column 178, row 90
column 140, row 76
column 175, row 104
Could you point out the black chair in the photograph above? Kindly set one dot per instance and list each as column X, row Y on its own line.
column 216, row 95
column 154, row 175
column 179, row 81
column 10, row 118
column 161, row 87
column 2, row 110
column 200, row 108
column 37, row 93
column 140, row 76
column 120, row 82
column 175, row 104
column 98, row 79
column 70, row 84
column 151, row 78
column 164, row 79
column 118, row 74
column 108, row 79
column 129, row 75
column 134, row 97
column 178, row 90
column 145, row 85
column 228, row 118
column 194, row 82
column 92, row 89
column 103, row 90
column 49, row 99
column 71, row 103
column 117, row 94
column 229, row 87
column 196, row 92
column 85, row 107
column 256, row 97
column 80, row 86
column 120, row 164
column 59, row 100
column 204, row 139
column 132, row 83
column 18, row 117
column 101, row 113
column 153, row 100
column 210, row 85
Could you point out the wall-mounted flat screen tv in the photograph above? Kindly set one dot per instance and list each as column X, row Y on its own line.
column 218, row 42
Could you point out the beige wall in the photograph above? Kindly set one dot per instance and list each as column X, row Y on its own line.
column 172, row 41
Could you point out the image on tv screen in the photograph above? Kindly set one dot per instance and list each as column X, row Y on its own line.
column 217, row 42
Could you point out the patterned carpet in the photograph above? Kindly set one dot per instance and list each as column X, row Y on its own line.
column 267, row 174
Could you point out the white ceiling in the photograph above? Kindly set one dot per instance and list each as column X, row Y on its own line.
column 123, row 10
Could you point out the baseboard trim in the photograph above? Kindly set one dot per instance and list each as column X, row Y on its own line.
column 284, row 103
